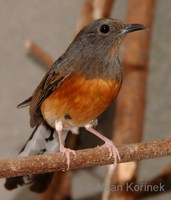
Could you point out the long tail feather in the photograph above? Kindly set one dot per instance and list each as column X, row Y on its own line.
column 25, row 103
column 43, row 140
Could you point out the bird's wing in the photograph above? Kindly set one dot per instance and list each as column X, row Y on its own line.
column 57, row 73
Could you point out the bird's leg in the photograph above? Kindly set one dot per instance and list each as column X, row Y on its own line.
column 62, row 149
column 108, row 143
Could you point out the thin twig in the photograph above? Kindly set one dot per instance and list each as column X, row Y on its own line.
column 84, row 158
column 39, row 53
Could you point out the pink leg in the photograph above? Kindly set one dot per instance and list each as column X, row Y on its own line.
column 108, row 143
column 62, row 149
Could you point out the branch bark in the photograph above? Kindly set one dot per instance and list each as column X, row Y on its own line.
column 84, row 158
column 39, row 54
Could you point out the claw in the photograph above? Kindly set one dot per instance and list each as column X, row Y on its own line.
column 108, row 143
column 62, row 149
column 67, row 152
column 112, row 151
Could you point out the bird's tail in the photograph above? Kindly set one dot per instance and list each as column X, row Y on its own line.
column 43, row 140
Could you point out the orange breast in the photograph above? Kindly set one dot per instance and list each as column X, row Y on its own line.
column 83, row 99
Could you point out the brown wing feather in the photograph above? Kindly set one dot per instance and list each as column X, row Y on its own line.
column 59, row 70
column 25, row 103
column 44, row 89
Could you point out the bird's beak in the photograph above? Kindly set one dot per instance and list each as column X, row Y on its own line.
column 133, row 27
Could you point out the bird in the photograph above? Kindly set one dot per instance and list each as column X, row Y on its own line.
column 79, row 86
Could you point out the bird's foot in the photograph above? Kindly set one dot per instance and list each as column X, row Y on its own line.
column 112, row 151
column 67, row 152
column 108, row 143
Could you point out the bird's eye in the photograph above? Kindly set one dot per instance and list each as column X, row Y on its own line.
column 104, row 29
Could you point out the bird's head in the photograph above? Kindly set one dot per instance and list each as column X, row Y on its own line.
column 104, row 34
column 95, row 48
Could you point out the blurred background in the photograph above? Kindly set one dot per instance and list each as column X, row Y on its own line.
column 51, row 24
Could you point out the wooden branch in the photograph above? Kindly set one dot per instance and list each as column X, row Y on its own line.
column 39, row 53
column 92, row 10
column 60, row 187
column 129, row 117
column 164, row 179
column 85, row 158
column 101, row 8
column 85, row 15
